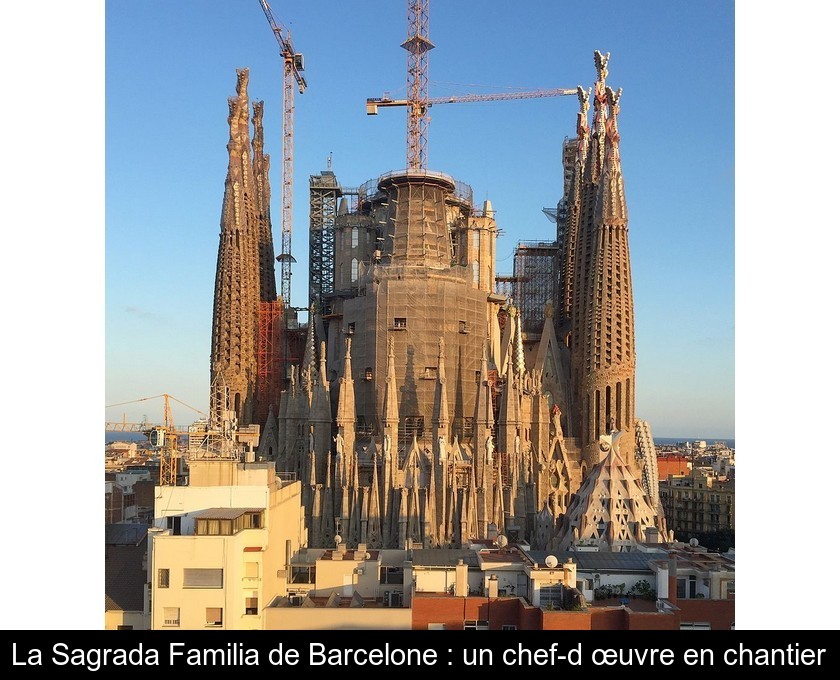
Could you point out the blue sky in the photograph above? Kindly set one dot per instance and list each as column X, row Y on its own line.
column 171, row 66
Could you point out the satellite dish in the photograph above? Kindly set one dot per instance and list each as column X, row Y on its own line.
column 502, row 540
column 337, row 539
column 551, row 561
column 367, row 555
column 694, row 542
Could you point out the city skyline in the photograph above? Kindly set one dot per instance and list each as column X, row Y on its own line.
column 165, row 138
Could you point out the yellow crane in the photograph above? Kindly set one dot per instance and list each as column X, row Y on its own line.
column 292, row 74
column 163, row 437
column 418, row 101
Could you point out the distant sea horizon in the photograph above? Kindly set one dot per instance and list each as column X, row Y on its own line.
column 660, row 441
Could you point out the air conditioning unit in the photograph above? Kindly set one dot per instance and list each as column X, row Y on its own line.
column 386, row 598
column 296, row 600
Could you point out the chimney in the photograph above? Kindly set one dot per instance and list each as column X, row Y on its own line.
column 651, row 535
column 461, row 583
column 493, row 586
column 570, row 574
column 672, row 576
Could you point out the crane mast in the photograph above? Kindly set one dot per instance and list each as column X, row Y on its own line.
column 417, row 84
column 292, row 75
column 418, row 101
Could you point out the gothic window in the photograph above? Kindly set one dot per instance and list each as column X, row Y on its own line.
column 354, row 269
column 354, row 237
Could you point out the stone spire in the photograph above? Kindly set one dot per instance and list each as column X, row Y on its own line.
column 292, row 421
column 573, row 215
column 603, row 337
column 374, row 527
column 390, row 404
column 237, row 292
column 483, row 443
column 327, row 512
column 320, row 415
column 345, row 417
column 262, row 202
column 518, row 347
column 307, row 366
column 440, row 417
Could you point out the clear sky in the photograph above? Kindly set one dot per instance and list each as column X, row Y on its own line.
column 170, row 68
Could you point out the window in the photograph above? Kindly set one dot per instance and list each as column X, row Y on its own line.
column 508, row 626
column 125, row 627
column 369, row 373
column 476, row 238
column 430, row 373
column 163, row 578
column 400, row 322
column 354, row 270
column 252, row 570
column 203, row 578
column 480, row 624
column 171, row 616
column 303, row 574
column 351, row 328
column 475, row 272
column 462, row 327
column 695, row 625
column 354, row 237
column 391, row 575
column 251, row 606
column 213, row 616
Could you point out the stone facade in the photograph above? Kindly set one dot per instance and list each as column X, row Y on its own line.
column 422, row 414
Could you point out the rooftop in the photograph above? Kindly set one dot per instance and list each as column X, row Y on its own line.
column 601, row 561
column 225, row 513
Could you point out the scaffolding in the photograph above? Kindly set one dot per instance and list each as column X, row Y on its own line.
column 324, row 192
column 269, row 358
column 534, row 265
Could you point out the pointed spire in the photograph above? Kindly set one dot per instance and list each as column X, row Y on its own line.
column 345, row 417
column 440, row 416
column 374, row 531
column 390, row 404
column 262, row 202
column 518, row 348
column 596, row 166
column 320, row 415
column 233, row 354
column 307, row 370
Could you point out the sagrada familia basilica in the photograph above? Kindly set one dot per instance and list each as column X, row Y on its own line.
column 415, row 405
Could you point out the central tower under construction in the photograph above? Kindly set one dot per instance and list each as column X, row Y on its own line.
column 431, row 407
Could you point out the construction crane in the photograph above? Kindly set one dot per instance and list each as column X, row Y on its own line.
column 163, row 438
column 292, row 73
column 417, row 86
